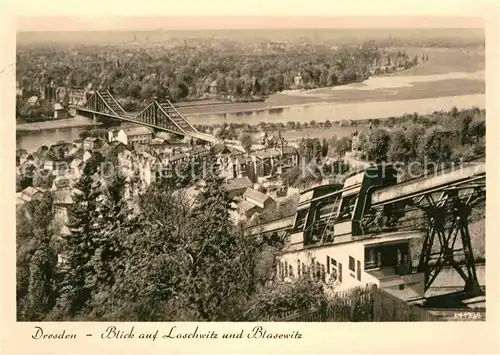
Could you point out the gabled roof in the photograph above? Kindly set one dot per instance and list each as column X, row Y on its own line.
column 31, row 191
column 62, row 183
column 237, row 183
column 137, row 131
column 91, row 139
column 245, row 206
column 256, row 195
column 75, row 163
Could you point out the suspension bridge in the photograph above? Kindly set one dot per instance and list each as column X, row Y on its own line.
column 160, row 116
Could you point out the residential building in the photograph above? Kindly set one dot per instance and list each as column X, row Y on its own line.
column 131, row 135
column 238, row 186
column 61, row 183
column 60, row 112
column 92, row 143
column 214, row 88
column 247, row 209
column 76, row 167
column 86, row 156
column 61, row 203
column 259, row 199
column 31, row 193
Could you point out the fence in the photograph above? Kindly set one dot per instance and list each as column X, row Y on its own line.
column 363, row 305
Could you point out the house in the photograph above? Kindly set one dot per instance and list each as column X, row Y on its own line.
column 33, row 100
column 298, row 81
column 62, row 201
column 176, row 159
column 247, row 209
column 139, row 134
column 113, row 135
column 86, row 156
column 236, row 187
column 76, row 168
column 49, row 164
column 92, row 143
column 235, row 166
column 60, row 112
column 31, row 193
column 259, row 199
column 214, row 88
column 198, row 152
column 61, row 183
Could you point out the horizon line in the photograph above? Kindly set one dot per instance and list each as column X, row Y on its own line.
column 242, row 22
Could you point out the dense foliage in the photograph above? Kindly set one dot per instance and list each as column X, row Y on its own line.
column 124, row 262
column 136, row 75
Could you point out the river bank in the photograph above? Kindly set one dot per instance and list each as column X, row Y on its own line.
column 73, row 122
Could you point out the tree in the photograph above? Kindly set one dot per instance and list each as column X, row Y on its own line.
column 36, row 260
column 342, row 145
column 79, row 248
column 376, row 145
column 399, row 147
column 435, row 146
column 246, row 141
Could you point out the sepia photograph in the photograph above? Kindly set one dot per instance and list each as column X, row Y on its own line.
column 243, row 172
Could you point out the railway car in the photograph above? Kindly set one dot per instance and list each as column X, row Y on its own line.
column 353, row 234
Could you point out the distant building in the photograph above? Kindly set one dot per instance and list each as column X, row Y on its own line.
column 259, row 199
column 31, row 193
column 355, row 146
column 92, row 143
column 298, row 81
column 60, row 112
column 131, row 135
column 62, row 201
column 214, row 87
column 237, row 187
column 33, row 100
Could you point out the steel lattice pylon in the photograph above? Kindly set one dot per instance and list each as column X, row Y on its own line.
column 447, row 219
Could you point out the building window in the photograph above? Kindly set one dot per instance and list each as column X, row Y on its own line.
column 332, row 269
column 286, row 269
column 318, row 271
column 340, row 272
column 352, row 264
column 323, row 273
column 290, row 270
column 358, row 264
column 298, row 269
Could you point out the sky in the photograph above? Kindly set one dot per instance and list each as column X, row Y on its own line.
column 67, row 15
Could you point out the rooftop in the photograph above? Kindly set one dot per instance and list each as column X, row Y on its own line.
column 256, row 195
column 238, row 183
column 245, row 206
column 63, row 197
column 137, row 131
column 31, row 191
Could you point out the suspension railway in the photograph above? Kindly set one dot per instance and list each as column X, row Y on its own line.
column 364, row 230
